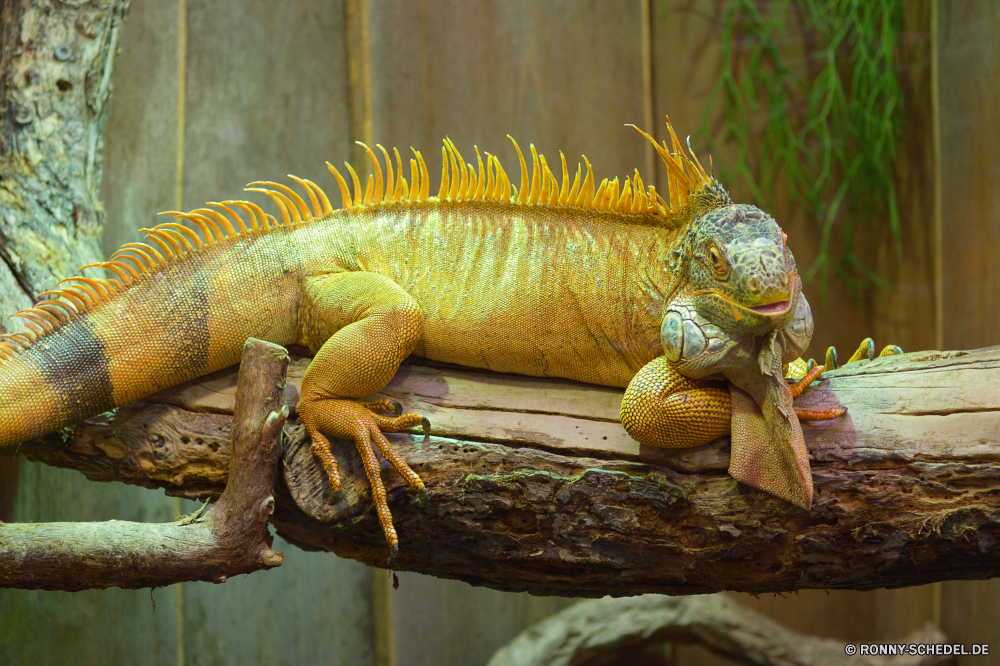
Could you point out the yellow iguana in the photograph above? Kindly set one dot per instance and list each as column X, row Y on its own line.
column 670, row 296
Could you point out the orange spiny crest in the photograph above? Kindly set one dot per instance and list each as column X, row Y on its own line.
column 168, row 244
column 685, row 175
column 222, row 222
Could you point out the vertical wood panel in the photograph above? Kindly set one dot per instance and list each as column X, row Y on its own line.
column 448, row 623
column 140, row 135
column 562, row 75
column 267, row 96
column 970, row 171
column 906, row 314
column 109, row 626
column 969, row 98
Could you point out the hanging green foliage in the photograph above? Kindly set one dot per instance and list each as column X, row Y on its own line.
column 830, row 127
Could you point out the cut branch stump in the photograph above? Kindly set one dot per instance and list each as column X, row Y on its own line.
column 230, row 538
column 535, row 486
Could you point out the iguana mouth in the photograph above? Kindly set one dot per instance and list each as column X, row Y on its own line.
column 772, row 308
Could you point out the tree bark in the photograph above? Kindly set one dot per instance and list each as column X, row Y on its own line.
column 56, row 61
column 230, row 538
column 535, row 486
column 587, row 631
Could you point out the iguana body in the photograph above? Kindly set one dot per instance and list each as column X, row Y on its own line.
column 615, row 286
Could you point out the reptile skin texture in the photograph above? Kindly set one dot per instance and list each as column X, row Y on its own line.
column 689, row 301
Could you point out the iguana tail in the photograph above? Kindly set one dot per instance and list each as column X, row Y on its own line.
column 173, row 312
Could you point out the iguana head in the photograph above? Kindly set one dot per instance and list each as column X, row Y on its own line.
column 741, row 315
column 741, row 275
column 737, row 311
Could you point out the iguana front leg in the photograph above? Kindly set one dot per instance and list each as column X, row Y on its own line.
column 363, row 325
column 768, row 450
column 664, row 408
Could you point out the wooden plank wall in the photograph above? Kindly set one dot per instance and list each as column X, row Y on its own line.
column 265, row 93
column 968, row 48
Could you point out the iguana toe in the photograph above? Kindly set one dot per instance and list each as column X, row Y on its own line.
column 360, row 423
column 866, row 350
column 798, row 387
column 831, row 358
column 820, row 415
column 384, row 406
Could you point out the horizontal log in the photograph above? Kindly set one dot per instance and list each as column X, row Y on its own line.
column 534, row 486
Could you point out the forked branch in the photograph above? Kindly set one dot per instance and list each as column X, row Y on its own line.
column 231, row 538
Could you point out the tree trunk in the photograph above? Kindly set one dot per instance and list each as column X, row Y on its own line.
column 56, row 64
column 56, row 60
column 535, row 486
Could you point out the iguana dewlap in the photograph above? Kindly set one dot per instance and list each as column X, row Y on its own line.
column 615, row 284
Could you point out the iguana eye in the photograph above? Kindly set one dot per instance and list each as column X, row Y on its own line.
column 719, row 263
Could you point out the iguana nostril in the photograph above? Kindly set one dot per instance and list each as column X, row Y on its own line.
column 754, row 287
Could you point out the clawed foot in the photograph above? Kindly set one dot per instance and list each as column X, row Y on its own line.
column 812, row 372
column 364, row 424
column 865, row 351
column 812, row 414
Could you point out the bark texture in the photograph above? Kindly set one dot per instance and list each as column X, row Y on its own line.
column 535, row 486
column 230, row 538
column 56, row 62
column 597, row 628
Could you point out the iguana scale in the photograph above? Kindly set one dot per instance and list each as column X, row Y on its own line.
column 671, row 296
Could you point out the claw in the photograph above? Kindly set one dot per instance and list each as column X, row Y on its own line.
column 397, row 408
column 810, row 364
column 425, row 424
column 891, row 350
column 831, row 359
column 422, row 497
column 393, row 554
column 865, row 349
